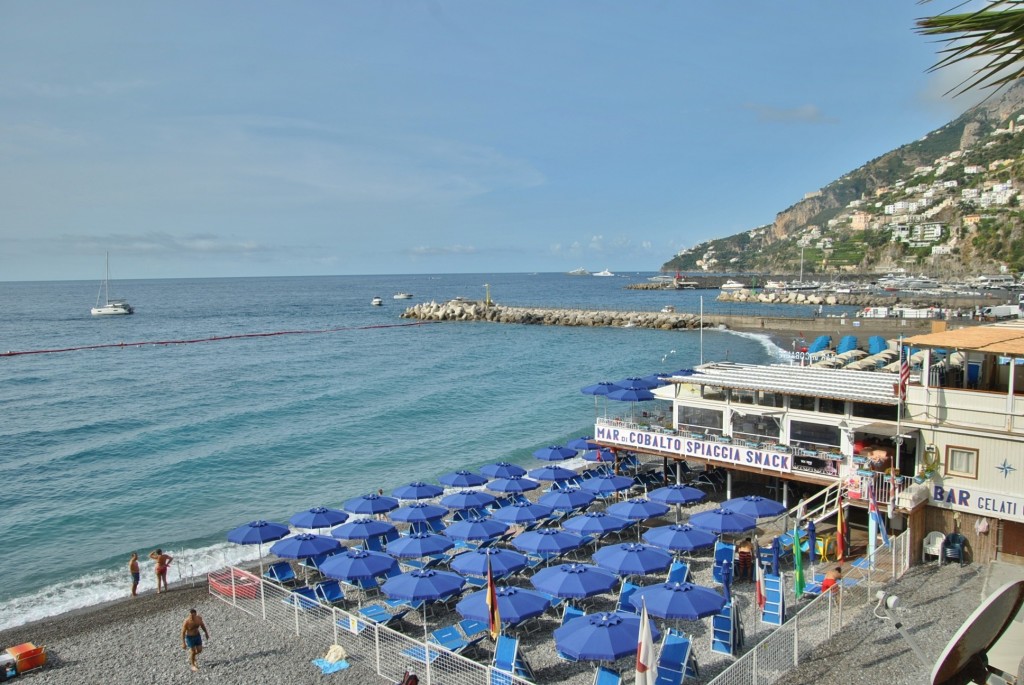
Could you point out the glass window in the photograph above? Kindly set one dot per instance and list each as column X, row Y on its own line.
column 743, row 396
column 829, row 406
column 962, row 461
column 773, row 399
column 813, row 434
column 699, row 419
column 801, row 402
column 711, row 392
column 883, row 412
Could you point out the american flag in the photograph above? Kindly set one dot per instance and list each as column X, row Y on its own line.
column 904, row 372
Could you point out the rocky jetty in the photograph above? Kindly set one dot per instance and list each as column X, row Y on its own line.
column 849, row 299
column 479, row 311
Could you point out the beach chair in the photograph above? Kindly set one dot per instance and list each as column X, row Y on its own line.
column 507, row 658
column 606, row 676
column 704, row 480
column 281, row 572
column 678, row 572
column 953, row 548
column 303, row 597
column 569, row 613
column 330, row 592
column 932, row 546
column 676, row 662
column 725, row 552
column 471, row 629
column 625, row 592
column 382, row 614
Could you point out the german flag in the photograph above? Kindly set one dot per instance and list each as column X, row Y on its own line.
column 493, row 617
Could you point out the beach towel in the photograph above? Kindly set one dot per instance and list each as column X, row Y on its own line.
column 327, row 667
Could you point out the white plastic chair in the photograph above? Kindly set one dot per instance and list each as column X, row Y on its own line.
column 932, row 545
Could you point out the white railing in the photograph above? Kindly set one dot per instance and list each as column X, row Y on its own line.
column 389, row 652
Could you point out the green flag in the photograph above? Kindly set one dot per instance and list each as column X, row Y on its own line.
column 798, row 564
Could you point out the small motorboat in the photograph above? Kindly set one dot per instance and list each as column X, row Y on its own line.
column 605, row 272
column 668, row 309
column 733, row 285
column 377, row 302
column 403, row 296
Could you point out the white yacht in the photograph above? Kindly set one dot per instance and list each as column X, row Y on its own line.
column 579, row 272
column 606, row 272
column 377, row 302
column 733, row 285
column 109, row 307
column 403, row 296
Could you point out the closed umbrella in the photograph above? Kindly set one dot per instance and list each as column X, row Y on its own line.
column 547, row 542
column 318, row 517
column 596, row 523
column 755, row 506
column 502, row 469
column 475, row 528
column 417, row 490
column 303, row 546
column 361, row 529
column 467, row 499
column 521, row 513
column 567, row 500
column 812, row 540
column 515, row 605
column 462, row 479
column 552, row 473
column 357, row 564
column 503, row 562
column 513, row 484
column 632, row 559
column 554, row 453
column 416, row 545
column 723, row 521
column 574, row 581
column 369, row 505
column 606, row 636
column 607, row 484
column 679, row 601
column 680, row 537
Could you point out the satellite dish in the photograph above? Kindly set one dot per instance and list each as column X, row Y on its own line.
column 965, row 658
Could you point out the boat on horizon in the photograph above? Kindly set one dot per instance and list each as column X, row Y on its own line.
column 579, row 272
column 110, row 307
column 403, row 296
column 606, row 272
column 733, row 285
column 377, row 302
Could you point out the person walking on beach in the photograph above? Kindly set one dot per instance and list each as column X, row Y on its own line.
column 133, row 568
column 190, row 637
column 162, row 562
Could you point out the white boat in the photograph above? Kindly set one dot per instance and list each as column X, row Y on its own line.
column 579, row 272
column 377, row 302
column 668, row 309
column 606, row 272
column 403, row 296
column 110, row 307
column 733, row 285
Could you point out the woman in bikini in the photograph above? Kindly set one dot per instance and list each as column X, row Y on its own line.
column 162, row 562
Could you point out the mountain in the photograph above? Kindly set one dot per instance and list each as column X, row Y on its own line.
column 945, row 204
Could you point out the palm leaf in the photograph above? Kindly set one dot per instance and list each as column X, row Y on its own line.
column 994, row 35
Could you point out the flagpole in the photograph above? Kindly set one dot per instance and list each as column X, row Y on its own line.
column 899, row 427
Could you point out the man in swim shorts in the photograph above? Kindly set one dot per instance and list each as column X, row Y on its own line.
column 190, row 637
column 162, row 562
column 133, row 568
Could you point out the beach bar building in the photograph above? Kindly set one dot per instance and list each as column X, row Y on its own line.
column 947, row 458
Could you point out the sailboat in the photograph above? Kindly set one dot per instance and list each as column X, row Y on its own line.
column 110, row 307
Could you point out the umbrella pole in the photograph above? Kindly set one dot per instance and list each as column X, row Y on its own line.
column 263, row 598
column 426, row 645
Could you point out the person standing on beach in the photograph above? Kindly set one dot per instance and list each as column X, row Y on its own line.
column 162, row 562
column 133, row 568
column 190, row 637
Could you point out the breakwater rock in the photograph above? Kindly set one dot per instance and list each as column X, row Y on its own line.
column 480, row 311
column 850, row 299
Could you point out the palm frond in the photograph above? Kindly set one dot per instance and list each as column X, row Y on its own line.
column 994, row 35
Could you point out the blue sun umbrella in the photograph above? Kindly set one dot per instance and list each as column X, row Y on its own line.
column 467, row 499
column 607, row 484
column 637, row 509
column 258, row 532
column 580, row 444
column 606, row 636
column 554, row 453
column 723, row 521
column 318, row 517
column 552, row 472
column 419, row 512
column 513, row 484
column 631, row 395
column 515, row 605
column 595, row 523
column 602, row 455
column 677, row 494
column 574, row 581
column 368, row 505
column 599, row 389
column 521, row 513
column 637, row 383
column 423, row 585
column 567, row 500
column 417, row 490
column 416, row 545
column 632, row 559
column 357, row 564
column 679, row 601
column 361, row 529
column 547, row 542
column 303, row 546
column 755, row 506
column 503, row 562
column 680, row 537
column 656, row 380
column 502, row 469
column 462, row 479
column 475, row 528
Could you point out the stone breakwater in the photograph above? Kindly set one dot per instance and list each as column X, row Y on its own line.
column 478, row 311
column 849, row 299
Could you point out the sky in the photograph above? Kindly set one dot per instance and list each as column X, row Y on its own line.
column 255, row 138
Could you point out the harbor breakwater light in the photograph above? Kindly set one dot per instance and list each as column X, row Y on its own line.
column 477, row 311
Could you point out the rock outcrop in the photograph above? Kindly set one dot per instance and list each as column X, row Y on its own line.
column 479, row 311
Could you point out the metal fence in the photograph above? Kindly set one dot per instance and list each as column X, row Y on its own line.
column 387, row 651
column 819, row 619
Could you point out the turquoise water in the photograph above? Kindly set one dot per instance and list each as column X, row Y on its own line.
column 112, row 450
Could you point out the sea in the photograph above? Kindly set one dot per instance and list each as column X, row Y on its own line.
column 225, row 400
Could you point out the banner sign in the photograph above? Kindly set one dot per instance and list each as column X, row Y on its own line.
column 721, row 452
column 980, row 502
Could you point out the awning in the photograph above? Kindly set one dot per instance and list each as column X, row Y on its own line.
column 885, row 430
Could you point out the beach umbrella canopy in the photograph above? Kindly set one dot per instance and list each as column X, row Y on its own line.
column 361, row 529
column 574, row 581
column 638, row 383
column 554, row 453
column 515, row 605
column 677, row 494
column 502, row 469
column 584, row 443
column 606, row 484
column 416, row 545
column 595, row 523
column 680, row 537
column 632, row 559
column 522, row 512
column 547, row 542
column 637, row 509
column 475, row 528
column 513, row 484
column 606, row 636
column 755, row 506
column 567, row 500
column 602, row 388
column 462, row 479
column 423, row 585
column 417, row 490
column 318, row 517
column 680, row 601
column 419, row 512
column 656, row 379
column 258, row 532
column 552, row 472
column 371, row 504
column 723, row 521
column 357, row 564
column 630, row 395
column 603, row 454
column 303, row 546
column 503, row 562
column 467, row 499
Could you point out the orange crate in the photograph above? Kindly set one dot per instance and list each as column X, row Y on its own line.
column 27, row 656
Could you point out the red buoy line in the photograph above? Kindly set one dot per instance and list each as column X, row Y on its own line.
column 216, row 338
